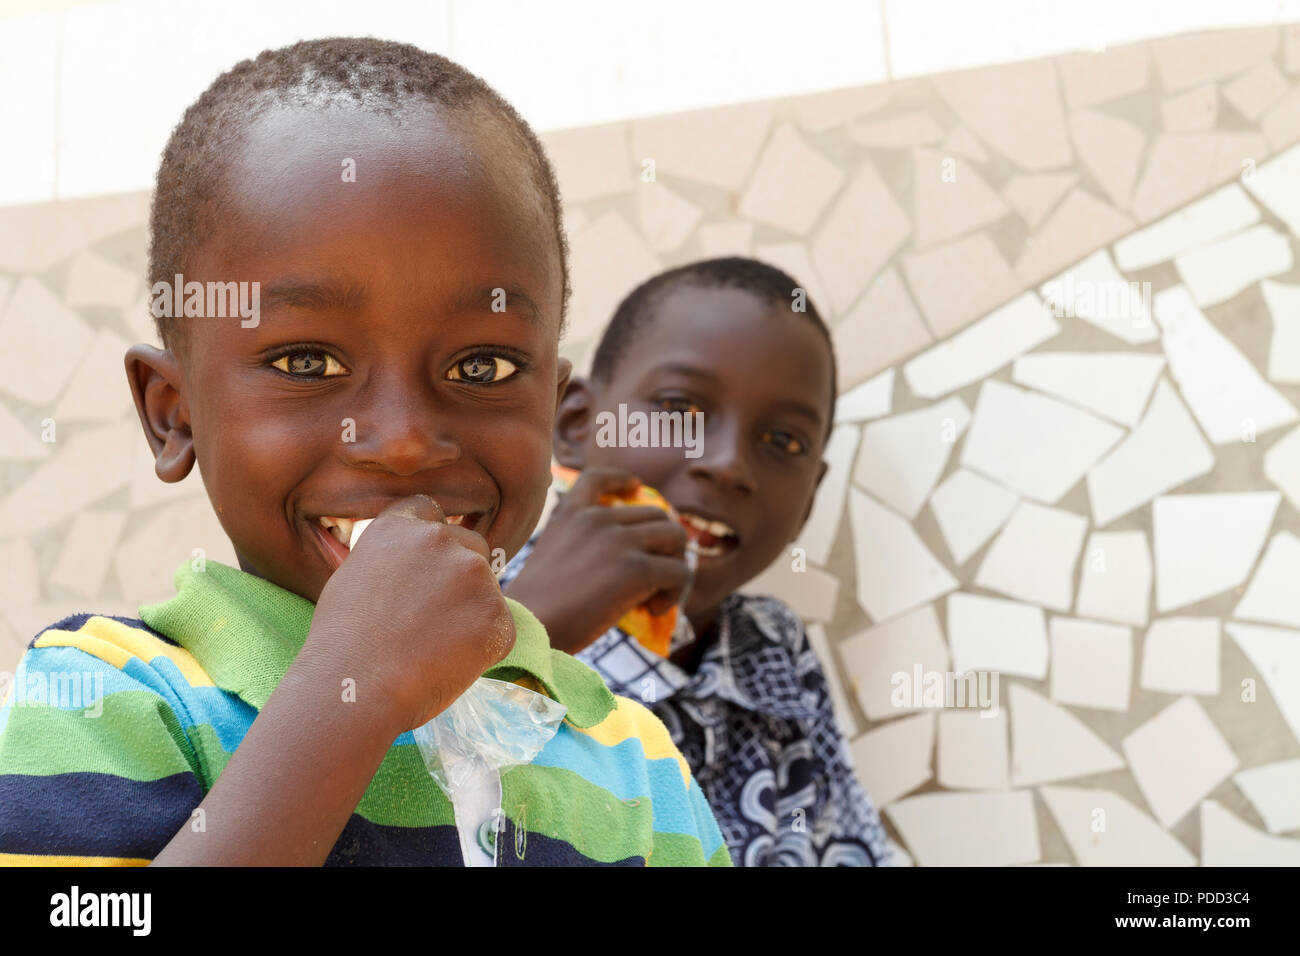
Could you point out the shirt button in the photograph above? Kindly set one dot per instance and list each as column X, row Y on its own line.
column 487, row 836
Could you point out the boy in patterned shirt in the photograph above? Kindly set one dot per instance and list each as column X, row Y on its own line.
column 741, row 690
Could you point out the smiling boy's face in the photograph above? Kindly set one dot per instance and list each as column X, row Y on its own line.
column 379, row 368
column 761, row 376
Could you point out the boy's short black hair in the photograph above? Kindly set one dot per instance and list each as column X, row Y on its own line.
column 378, row 75
column 768, row 283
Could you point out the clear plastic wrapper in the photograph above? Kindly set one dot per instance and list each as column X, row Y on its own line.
column 493, row 725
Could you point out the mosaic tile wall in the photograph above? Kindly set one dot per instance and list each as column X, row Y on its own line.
column 1092, row 493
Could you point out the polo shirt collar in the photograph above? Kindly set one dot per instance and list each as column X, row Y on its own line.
column 245, row 632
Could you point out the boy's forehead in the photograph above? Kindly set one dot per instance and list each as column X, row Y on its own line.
column 734, row 332
column 360, row 198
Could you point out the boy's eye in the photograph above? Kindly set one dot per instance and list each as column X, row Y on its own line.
column 482, row 369
column 679, row 404
column 310, row 364
column 784, row 440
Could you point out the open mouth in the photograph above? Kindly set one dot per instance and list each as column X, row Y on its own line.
column 712, row 538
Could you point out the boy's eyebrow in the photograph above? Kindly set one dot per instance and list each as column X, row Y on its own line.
column 323, row 296
column 803, row 409
column 308, row 294
column 472, row 298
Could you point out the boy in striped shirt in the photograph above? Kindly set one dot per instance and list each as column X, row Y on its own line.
column 400, row 226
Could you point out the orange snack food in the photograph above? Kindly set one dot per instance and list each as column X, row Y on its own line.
column 653, row 632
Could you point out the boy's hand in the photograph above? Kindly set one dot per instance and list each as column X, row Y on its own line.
column 415, row 613
column 592, row 563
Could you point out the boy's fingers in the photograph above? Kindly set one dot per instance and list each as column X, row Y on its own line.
column 666, row 578
column 416, row 508
column 659, row 537
column 594, row 482
column 425, row 508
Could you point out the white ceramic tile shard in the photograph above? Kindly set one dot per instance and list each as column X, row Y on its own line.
column 1034, row 444
column 777, row 198
column 1096, row 77
column 1230, row 399
column 993, row 634
column 898, row 856
column 1216, row 272
column 1183, row 61
column 973, row 752
column 1092, row 664
column 1165, row 450
column 19, row 577
column 1048, row 743
column 19, row 440
column 726, row 239
column 886, row 317
column 897, row 132
column 1274, row 791
column 1222, row 213
column 873, row 658
column 1255, row 91
column 950, row 199
column 666, row 217
column 968, row 829
column 1034, row 555
column 1227, row 841
column 1033, row 135
column 1206, row 544
column 1081, row 224
column 1115, row 385
column 1273, row 595
column 968, row 509
column 87, row 551
column 94, row 281
column 98, row 391
column 1177, row 757
column 614, row 258
column 848, row 725
column 1104, row 829
column 872, row 399
column 981, row 349
column 848, row 256
column 823, row 523
column 1110, row 149
column 146, row 561
column 1283, row 303
column 1276, row 184
column 1036, row 196
column 810, row 591
column 901, row 458
column 1275, row 653
column 1116, row 583
column 894, row 759
column 65, row 485
column 36, row 323
column 1282, row 466
column 592, row 162
column 1180, row 655
column 962, row 142
column 1195, row 110
column 1094, row 291
column 959, row 281
column 896, row 571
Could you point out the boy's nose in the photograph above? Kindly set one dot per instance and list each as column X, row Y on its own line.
column 725, row 457
column 403, row 433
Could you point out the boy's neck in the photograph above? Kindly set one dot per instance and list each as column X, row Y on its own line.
column 705, row 626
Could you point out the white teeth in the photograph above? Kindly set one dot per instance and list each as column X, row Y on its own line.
column 716, row 528
column 455, row 519
column 712, row 552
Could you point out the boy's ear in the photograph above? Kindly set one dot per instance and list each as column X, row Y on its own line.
column 821, row 473
column 573, row 423
column 155, row 378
